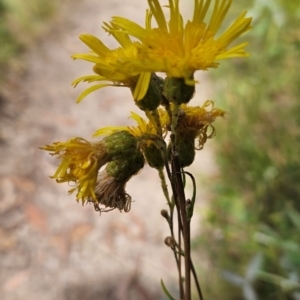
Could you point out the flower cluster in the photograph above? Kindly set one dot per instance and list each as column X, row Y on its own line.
column 100, row 170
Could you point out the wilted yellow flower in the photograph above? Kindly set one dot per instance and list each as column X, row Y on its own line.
column 106, row 65
column 191, row 119
column 180, row 49
column 194, row 123
column 81, row 160
column 194, row 118
column 80, row 163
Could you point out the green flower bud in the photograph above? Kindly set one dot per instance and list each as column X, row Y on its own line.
column 153, row 97
column 154, row 156
column 120, row 144
column 186, row 151
column 176, row 91
column 123, row 169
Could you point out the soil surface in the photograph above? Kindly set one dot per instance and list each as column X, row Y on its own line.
column 50, row 246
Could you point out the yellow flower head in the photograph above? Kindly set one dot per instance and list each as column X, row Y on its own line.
column 196, row 121
column 81, row 160
column 194, row 118
column 180, row 49
column 150, row 142
column 106, row 65
column 80, row 163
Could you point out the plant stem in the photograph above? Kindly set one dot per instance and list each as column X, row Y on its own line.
column 196, row 281
column 153, row 116
column 178, row 258
column 164, row 186
column 180, row 195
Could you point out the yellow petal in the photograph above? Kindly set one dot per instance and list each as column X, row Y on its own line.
column 109, row 130
column 88, row 78
column 95, row 44
column 142, row 85
column 88, row 57
column 134, row 29
column 90, row 90
column 158, row 13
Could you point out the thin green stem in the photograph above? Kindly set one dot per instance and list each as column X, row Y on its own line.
column 153, row 116
column 164, row 186
column 170, row 221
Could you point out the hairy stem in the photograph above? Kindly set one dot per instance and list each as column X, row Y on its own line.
column 164, row 186
column 153, row 116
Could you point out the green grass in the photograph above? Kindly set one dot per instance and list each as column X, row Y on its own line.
column 257, row 148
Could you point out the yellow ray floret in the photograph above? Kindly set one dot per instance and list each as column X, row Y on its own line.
column 143, row 128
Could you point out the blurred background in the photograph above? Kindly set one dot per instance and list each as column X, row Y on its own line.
column 246, row 241
column 250, row 233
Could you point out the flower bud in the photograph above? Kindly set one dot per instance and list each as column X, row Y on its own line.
column 153, row 96
column 120, row 144
column 123, row 169
column 165, row 214
column 177, row 91
column 185, row 148
column 170, row 242
column 154, row 156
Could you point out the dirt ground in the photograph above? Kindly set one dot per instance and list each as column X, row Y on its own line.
column 50, row 246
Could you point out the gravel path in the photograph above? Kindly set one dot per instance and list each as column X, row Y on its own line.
column 50, row 246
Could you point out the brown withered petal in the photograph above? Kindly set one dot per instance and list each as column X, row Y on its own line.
column 110, row 194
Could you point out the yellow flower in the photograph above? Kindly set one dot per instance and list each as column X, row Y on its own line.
column 80, row 163
column 106, row 65
column 194, row 118
column 194, row 121
column 180, row 49
column 81, row 160
column 150, row 142
column 194, row 124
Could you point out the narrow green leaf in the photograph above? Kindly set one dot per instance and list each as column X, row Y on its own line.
column 190, row 207
column 165, row 290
